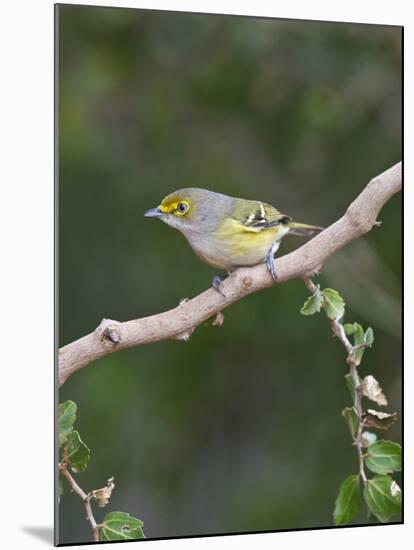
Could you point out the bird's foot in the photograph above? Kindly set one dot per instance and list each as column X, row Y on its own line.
column 270, row 263
column 217, row 284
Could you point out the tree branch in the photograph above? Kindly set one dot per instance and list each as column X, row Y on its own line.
column 180, row 322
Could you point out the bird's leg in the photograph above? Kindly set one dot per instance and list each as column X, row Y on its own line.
column 270, row 260
column 271, row 266
column 217, row 283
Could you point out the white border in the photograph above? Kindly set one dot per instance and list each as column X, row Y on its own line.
column 26, row 272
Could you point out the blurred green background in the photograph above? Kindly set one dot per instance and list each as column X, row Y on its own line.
column 240, row 429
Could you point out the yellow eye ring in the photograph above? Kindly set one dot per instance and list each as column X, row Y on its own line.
column 181, row 208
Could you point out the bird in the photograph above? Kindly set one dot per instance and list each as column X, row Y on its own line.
column 228, row 232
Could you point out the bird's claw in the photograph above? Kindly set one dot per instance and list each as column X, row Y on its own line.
column 217, row 284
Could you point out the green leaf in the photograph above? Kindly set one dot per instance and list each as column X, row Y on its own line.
column 313, row 304
column 384, row 457
column 349, row 328
column 351, row 416
column 361, row 338
column 66, row 419
column 369, row 337
column 76, row 453
column 347, row 502
column 371, row 518
column 383, row 497
column 334, row 304
column 358, row 340
column 358, row 334
column 351, row 384
column 121, row 526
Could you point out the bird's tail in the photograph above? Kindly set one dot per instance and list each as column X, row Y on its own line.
column 303, row 230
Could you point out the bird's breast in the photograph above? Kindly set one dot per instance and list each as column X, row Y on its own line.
column 230, row 248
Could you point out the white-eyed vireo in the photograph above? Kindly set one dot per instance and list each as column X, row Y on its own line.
column 227, row 232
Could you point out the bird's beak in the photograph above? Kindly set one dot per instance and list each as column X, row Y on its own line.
column 153, row 213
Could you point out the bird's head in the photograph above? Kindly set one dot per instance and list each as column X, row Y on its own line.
column 189, row 209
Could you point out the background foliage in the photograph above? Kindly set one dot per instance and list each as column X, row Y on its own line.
column 239, row 429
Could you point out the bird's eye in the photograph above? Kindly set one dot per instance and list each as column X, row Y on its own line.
column 182, row 207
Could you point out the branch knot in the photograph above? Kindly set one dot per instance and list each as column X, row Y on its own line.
column 109, row 332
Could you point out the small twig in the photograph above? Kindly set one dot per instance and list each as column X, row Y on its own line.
column 358, row 407
column 362, row 346
column 86, row 498
column 339, row 332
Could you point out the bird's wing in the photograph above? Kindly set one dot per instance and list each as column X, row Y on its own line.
column 256, row 216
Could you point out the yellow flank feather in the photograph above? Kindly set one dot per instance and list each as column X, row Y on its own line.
column 242, row 245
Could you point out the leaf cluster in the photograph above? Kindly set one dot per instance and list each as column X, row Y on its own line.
column 76, row 455
column 382, row 495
